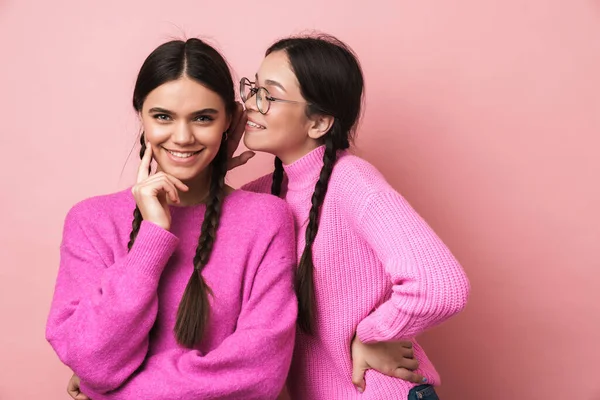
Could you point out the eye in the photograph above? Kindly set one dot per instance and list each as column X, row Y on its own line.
column 270, row 98
column 203, row 118
column 162, row 117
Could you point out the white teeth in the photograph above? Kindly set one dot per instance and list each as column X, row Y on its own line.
column 181, row 155
column 254, row 125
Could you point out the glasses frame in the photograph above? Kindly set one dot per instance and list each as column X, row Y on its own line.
column 262, row 96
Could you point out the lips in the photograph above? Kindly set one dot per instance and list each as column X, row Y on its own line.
column 182, row 154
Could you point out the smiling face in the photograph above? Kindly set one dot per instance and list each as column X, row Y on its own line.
column 284, row 129
column 184, row 123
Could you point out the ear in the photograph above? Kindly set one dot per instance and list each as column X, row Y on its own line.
column 320, row 125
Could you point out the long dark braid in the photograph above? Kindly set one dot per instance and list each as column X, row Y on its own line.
column 203, row 64
column 189, row 329
column 137, row 214
column 304, row 282
column 331, row 82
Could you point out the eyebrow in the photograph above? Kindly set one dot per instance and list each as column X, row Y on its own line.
column 270, row 82
column 199, row 112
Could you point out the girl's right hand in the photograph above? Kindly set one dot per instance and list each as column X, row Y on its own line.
column 73, row 389
column 152, row 192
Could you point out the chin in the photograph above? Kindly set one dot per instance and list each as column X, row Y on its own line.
column 255, row 144
column 182, row 175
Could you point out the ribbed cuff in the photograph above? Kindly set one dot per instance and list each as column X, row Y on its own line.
column 366, row 333
column 83, row 388
column 152, row 249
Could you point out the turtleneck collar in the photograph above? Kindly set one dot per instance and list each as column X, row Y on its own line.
column 305, row 171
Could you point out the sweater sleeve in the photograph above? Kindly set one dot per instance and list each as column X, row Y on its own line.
column 101, row 314
column 428, row 284
column 252, row 363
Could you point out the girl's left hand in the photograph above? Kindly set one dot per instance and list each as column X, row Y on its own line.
column 394, row 359
column 236, row 131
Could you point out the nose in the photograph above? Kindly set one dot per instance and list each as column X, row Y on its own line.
column 182, row 134
column 250, row 103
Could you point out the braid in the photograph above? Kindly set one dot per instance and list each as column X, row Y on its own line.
column 137, row 214
column 194, row 308
column 304, row 275
column 277, row 177
column 213, row 211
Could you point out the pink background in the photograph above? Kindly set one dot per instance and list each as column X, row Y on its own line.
column 484, row 114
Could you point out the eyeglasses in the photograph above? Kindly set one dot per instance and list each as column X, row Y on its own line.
column 263, row 98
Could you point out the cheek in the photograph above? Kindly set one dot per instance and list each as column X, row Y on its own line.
column 210, row 137
column 288, row 124
column 155, row 133
column 278, row 118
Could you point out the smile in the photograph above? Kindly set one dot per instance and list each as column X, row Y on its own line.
column 179, row 154
column 254, row 125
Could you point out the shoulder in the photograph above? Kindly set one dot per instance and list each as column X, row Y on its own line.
column 260, row 185
column 351, row 169
column 262, row 208
column 256, row 221
column 354, row 180
column 94, row 211
column 101, row 205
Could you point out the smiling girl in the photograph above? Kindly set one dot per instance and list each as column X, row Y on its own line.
column 175, row 288
column 371, row 272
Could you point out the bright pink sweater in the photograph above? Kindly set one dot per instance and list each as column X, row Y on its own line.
column 380, row 272
column 113, row 312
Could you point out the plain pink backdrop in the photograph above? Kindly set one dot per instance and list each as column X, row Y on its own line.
column 484, row 114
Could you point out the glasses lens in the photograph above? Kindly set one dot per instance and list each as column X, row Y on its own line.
column 245, row 89
column 262, row 103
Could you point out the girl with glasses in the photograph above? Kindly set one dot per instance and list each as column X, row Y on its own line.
column 370, row 270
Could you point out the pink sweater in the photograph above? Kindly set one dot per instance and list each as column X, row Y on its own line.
column 113, row 312
column 380, row 272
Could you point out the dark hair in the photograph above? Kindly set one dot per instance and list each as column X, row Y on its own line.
column 202, row 63
column 331, row 81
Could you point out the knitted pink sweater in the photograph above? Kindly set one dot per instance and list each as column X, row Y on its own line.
column 380, row 272
column 113, row 312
